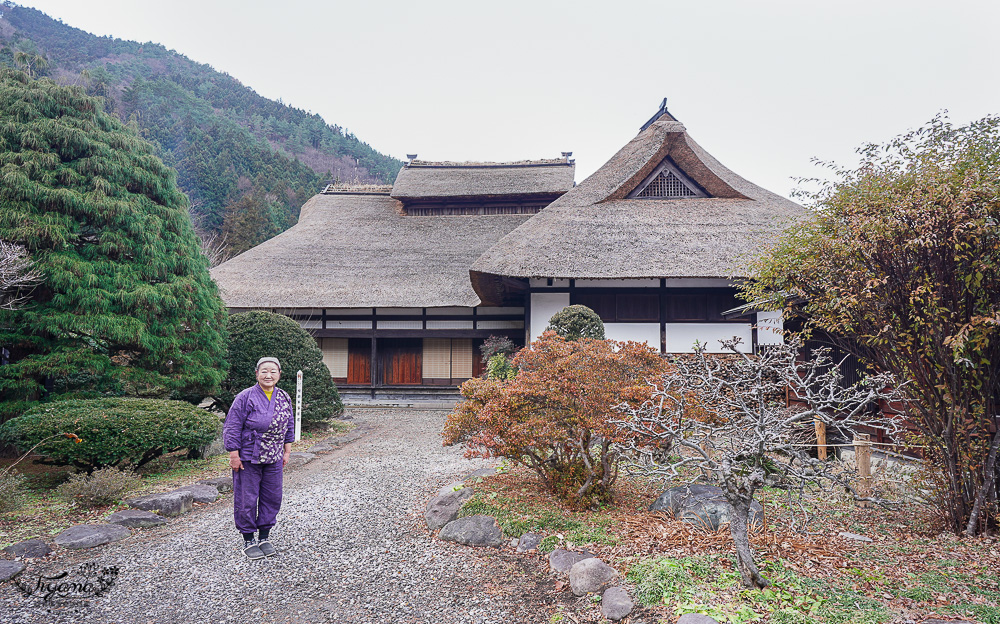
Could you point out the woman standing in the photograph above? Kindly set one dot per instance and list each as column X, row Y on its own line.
column 258, row 433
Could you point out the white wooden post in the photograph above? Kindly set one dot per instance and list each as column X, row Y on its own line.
column 298, row 406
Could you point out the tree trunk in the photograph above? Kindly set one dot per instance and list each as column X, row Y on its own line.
column 744, row 554
column 977, row 507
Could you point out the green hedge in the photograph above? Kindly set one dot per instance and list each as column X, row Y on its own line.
column 253, row 335
column 113, row 430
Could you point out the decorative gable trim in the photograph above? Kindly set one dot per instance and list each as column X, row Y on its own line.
column 667, row 181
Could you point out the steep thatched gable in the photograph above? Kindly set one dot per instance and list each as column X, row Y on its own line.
column 597, row 231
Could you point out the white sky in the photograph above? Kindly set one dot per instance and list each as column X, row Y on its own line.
column 764, row 86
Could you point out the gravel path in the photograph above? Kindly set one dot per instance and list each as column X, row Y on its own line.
column 352, row 545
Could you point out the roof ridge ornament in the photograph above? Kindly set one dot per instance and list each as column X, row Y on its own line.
column 660, row 113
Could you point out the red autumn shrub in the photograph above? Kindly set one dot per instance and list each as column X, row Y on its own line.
column 554, row 415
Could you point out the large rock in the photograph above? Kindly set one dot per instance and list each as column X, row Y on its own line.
column 696, row 618
column 451, row 487
column 201, row 493
column 29, row 549
column 299, row 458
column 444, row 508
column 91, row 535
column 482, row 472
column 136, row 519
column 529, row 541
column 223, row 484
column 702, row 505
column 591, row 575
column 172, row 503
column 616, row 603
column 561, row 560
column 213, row 448
column 473, row 531
column 10, row 569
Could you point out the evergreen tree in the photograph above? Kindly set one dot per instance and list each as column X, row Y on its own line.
column 126, row 305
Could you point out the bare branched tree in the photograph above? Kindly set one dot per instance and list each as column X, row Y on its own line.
column 213, row 243
column 17, row 275
column 728, row 421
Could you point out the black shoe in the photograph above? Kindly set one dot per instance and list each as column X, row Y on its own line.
column 266, row 548
column 252, row 551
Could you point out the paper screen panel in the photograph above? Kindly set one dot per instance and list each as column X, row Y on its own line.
column 461, row 358
column 335, row 355
column 437, row 358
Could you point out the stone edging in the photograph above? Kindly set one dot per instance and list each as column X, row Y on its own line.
column 151, row 510
column 586, row 573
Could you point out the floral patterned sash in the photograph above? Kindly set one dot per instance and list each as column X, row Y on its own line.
column 272, row 441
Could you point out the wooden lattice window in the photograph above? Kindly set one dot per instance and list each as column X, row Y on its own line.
column 667, row 182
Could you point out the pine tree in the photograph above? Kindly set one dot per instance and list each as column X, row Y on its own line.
column 126, row 305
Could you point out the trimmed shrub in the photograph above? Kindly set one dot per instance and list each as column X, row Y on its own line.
column 102, row 487
column 575, row 322
column 11, row 491
column 111, row 431
column 252, row 335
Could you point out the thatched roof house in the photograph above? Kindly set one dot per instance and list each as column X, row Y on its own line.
column 400, row 284
column 661, row 207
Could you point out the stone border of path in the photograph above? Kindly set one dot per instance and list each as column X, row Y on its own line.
column 698, row 504
column 586, row 573
column 151, row 510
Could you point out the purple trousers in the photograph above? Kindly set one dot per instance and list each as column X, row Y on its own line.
column 256, row 496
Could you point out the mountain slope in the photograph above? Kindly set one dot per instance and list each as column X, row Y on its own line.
column 237, row 154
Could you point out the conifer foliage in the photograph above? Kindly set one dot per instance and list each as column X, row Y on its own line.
column 126, row 305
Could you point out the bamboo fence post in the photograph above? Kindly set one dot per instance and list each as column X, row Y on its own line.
column 863, row 457
column 820, row 439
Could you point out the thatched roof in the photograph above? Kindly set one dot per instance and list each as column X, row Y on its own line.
column 594, row 231
column 420, row 179
column 355, row 249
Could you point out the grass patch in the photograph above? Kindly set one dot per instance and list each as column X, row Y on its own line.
column 710, row 585
column 984, row 614
column 910, row 569
column 516, row 518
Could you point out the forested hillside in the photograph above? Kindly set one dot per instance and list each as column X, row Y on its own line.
column 247, row 163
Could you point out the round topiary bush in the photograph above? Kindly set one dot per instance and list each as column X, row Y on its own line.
column 112, row 431
column 253, row 335
column 575, row 322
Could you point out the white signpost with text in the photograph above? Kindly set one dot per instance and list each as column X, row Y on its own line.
column 298, row 406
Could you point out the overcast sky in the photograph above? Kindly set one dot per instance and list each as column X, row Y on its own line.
column 764, row 86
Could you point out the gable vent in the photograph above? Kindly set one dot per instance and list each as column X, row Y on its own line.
column 667, row 182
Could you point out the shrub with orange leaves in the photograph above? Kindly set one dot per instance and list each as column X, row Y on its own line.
column 554, row 415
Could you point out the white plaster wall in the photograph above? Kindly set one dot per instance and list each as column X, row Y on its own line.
column 639, row 332
column 543, row 306
column 681, row 336
column 543, row 282
column 769, row 326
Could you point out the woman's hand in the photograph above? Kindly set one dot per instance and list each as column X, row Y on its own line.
column 234, row 460
column 287, row 455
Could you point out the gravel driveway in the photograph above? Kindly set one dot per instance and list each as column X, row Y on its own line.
column 352, row 545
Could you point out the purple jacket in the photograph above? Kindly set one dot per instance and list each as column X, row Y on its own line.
column 259, row 428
